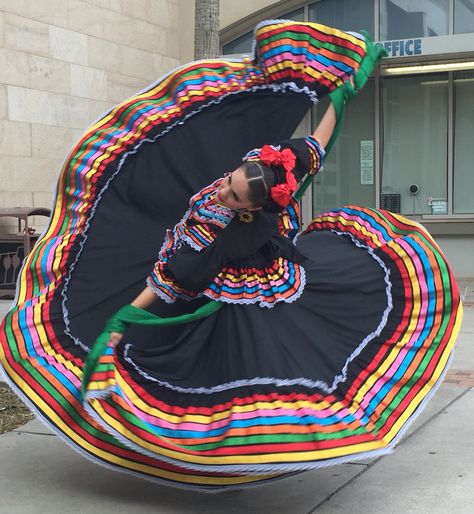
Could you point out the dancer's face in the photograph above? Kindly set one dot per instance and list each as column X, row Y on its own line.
column 234, row 191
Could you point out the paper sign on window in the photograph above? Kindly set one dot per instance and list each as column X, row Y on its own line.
column 366, row 163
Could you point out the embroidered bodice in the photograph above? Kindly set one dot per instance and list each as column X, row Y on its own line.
column 193, row 262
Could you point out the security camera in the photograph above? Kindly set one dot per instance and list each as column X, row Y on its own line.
column 414, row 189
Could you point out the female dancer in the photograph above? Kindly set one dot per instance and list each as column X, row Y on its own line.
column 252, row 187
column 361, row 309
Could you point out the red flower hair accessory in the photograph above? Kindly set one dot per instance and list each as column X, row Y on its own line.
column 282, row 193
column 271, row 157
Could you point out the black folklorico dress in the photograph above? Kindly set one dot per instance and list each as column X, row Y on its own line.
column 323, row 351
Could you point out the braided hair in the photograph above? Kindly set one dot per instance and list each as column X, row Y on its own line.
column 261, row 179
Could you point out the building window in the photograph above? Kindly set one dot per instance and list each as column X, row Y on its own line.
column 348, row 176
column 296, row 15
column 243, row 44
column 344, row 14
column 403, row 19
column 463, row 16
column 463, row 147
column 412, row 150
column 415, row 142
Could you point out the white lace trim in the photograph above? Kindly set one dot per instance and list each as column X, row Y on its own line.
column 161, row 294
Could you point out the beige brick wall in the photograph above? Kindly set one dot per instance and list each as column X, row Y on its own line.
column 62, row 64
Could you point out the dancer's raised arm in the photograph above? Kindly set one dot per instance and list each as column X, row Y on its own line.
column 326, row 126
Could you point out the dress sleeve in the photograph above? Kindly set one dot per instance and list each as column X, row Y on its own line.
column 184, row 273
column 309, row 153
column 193, row 270
column 289, row 220
column 187, row 270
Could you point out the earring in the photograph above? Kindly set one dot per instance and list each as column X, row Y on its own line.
column 246, row 217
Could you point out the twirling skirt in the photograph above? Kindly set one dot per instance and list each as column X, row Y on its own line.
column 248, row 393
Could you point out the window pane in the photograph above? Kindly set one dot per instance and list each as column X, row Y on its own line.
column 349, row 170
column 243, row 44
column 415, row 123
column 297, row 15
column 402, row 19
column 344, row 14
column 463, row 143
column 463, row 16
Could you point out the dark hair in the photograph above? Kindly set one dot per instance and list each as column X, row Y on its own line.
column 260, row 179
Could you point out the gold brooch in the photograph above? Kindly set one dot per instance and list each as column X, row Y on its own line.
column 246, row 217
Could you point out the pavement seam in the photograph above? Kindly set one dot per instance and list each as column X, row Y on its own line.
column 33, row 433
column 345, row 484
column 433, row 417
column 376, row 461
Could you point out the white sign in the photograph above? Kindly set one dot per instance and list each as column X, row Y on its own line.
column 456, row 43
column 403, row 47
column 366, row 163
column 439, row 206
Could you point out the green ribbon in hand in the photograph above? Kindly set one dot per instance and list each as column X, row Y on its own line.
column 133, row 315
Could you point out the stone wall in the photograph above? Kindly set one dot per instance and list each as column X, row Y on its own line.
column 62, row 64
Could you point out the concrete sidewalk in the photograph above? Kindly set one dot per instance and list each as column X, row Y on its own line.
column 432, row 470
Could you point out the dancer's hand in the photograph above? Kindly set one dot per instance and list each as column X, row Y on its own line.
column 115, row 338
